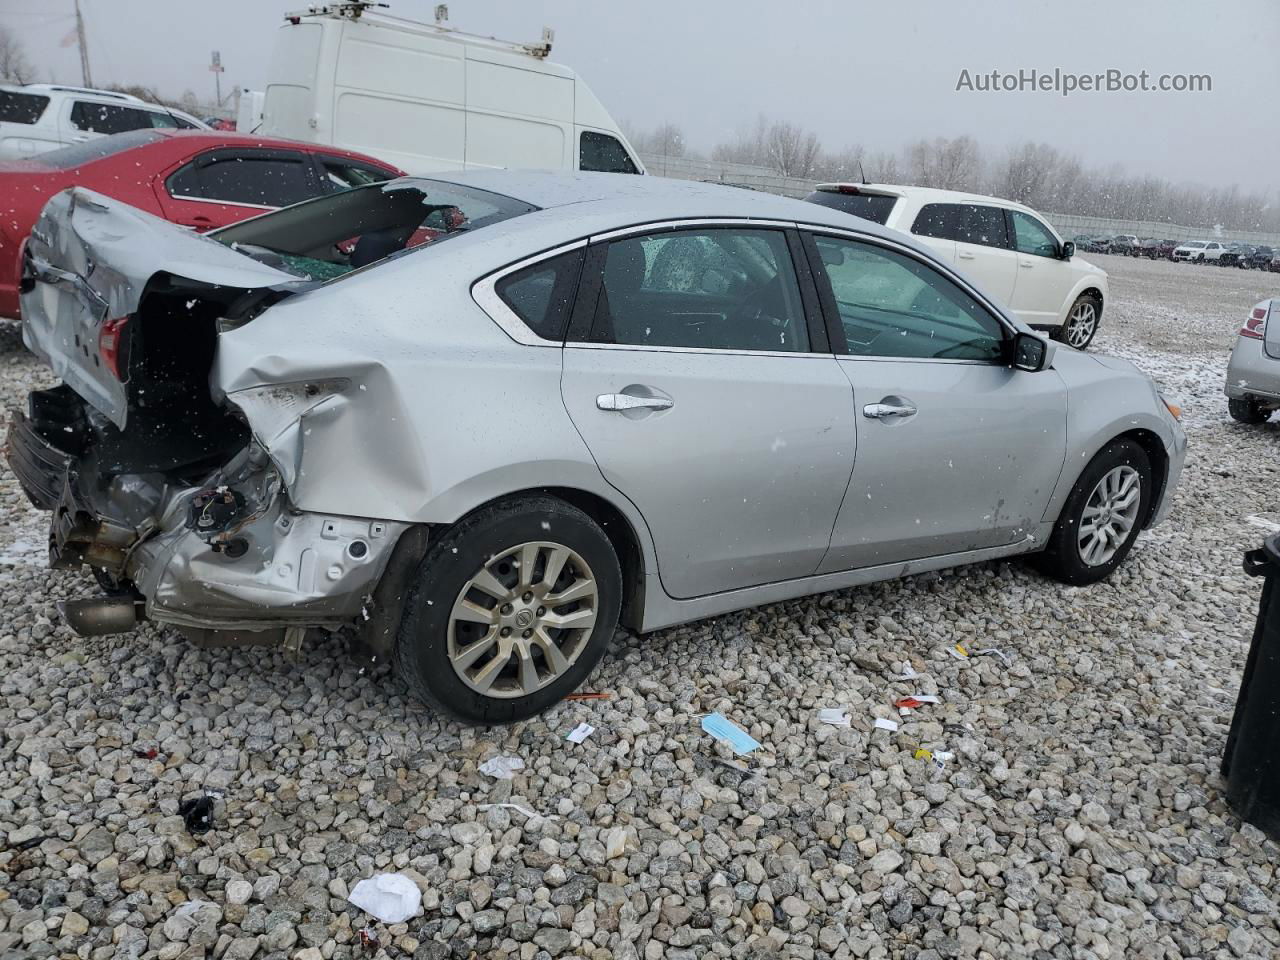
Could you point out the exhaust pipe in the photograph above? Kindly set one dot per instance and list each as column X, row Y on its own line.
column 100, row 616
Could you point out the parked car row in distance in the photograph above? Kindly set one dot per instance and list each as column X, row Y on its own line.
column 1243, row 255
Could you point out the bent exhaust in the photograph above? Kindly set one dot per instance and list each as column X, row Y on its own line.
column 100, row 616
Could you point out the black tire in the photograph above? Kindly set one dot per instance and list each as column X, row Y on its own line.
column 460, row 553
column 1247, row 410
column 1061, row 333
column 1061, row 558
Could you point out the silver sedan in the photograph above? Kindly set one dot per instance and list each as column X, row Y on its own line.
column 481, row 419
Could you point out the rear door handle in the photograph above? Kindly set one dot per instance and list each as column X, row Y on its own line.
column 1026, row 263
column 889, row 408
column 627, row 401
column 968, row 255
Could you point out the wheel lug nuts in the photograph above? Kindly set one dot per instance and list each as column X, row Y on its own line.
column 527, row 634
column 506, row 632
column 541, row 611
column 528, row 597
column 506, row 608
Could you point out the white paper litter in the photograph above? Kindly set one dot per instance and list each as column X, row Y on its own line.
column 883, row 724
column 517, row 808
column 908, row 673
column 836, row 716
column 580, row 733
column 925, row 698
column 995, row 653
column 502, row 768
column 390, row 897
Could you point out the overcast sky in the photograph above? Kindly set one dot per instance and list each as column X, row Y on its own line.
column 854, row 71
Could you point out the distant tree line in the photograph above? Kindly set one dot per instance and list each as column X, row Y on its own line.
column 1037, row 174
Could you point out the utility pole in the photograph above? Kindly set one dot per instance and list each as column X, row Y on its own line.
column 85, row 76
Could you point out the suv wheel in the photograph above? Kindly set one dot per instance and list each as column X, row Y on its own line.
column 1082, row 323
column 1247, row 410
column 1102, row 516
column 511, row 609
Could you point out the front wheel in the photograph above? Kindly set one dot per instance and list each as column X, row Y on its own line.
column 1247, row 410
column 1081, row 325
column 1102, row 516
column 512, row 608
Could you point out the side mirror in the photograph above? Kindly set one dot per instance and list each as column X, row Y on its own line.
column 1032, row 352
column 1068, row 250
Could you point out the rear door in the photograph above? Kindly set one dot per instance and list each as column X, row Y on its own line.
column 957, row 451
column 937, row 226
column 984, row 252
column 224, row 186
column 701, row 382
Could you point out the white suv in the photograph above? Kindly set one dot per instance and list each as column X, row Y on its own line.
column 1009, row 249
column 43, row 116
column 1200, row 251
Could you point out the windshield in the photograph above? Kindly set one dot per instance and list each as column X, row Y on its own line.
column 328, row 237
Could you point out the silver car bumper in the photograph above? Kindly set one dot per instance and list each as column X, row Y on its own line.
column 1251, row 373
column 1177, row 453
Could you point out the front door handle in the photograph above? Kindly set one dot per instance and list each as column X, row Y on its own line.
column 890, row 408
column 1026, row 263
column 627, row 401
column 968, row 255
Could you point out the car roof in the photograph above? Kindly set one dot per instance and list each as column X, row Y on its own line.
column 649, row 198
column 924, row 194
column 230, row 138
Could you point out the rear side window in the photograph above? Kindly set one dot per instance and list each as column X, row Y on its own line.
column 343, row 174
column 868, row 206
column 21, row 107
column 276, row 181
column 112, row 118
column 938, row 220
column 542, row 294
column 966, row 222
column 603, row 154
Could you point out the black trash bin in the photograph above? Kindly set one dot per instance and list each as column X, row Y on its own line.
column 1250, row 762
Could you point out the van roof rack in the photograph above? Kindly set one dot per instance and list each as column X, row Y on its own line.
column 356, row 9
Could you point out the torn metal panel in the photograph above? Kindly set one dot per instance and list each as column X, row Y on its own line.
column 92, row 258
column 282, row 564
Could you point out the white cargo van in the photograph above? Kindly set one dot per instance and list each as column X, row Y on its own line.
column 427, row 98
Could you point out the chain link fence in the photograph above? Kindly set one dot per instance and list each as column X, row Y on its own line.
column 1068, row 225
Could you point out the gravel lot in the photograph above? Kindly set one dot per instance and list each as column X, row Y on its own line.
column 1080, row 816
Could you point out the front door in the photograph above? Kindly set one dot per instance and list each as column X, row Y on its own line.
column 700, row 393
column 1044, row 278
column 957, row 450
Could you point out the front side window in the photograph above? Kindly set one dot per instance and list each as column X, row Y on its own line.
column 891, row 305
column 542, row 294
column 25, row 108
column 712, row 289
column 1032, row 236
column 603, row 154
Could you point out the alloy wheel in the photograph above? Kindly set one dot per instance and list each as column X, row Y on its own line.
column 1081, row 324
column 1109, row 515
column 522, row 620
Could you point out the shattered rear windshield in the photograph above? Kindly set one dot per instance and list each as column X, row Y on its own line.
column 328, row 237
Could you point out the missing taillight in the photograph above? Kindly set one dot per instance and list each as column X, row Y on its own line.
column 113, row 346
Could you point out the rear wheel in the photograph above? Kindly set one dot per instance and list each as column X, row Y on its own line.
column 511, row 610
column 1247, row 410
column 1102, row 516
column 1082, row 323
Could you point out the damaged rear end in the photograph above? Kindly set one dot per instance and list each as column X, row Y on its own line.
column 153, row 479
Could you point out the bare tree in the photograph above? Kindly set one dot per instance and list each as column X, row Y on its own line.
column 791, row 150
column 945, row 164
column 14, row 65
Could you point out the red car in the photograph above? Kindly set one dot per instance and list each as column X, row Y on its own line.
column 199, row 178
